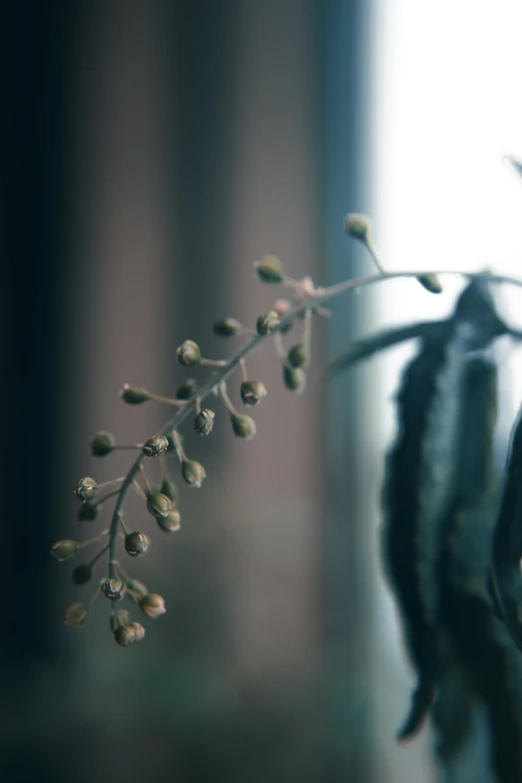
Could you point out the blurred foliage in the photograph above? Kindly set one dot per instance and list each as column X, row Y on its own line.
column 453, row 540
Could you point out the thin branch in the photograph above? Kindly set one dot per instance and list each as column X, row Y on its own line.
column 226, row 368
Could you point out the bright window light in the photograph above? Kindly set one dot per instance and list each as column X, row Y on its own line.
column 446, row 89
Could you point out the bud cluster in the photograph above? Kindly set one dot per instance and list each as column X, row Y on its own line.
column 124, row 631
column 161, row 496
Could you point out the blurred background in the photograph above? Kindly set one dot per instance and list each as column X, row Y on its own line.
column 152, row 151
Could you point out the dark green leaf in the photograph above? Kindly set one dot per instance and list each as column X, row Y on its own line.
column 438, row 425
column 363, row 349
column 401, row 503
column 492, row 663
column 507, row 548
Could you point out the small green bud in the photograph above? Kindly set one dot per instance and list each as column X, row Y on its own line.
column 243, row 426
column 124, row 636
column 267, row 323
column 113, row 589
column 294, row 378
column 431, row 283
column 102, row 443
column 155, row 446
column 358, row 226
column 134, row 395
column 86, row 489
column 65, row 550
column 158, row 505
column 270, row 270
column 193, row 472
column 82, row 574
column 188, row 354
column 187, row 390
column 118, row 619
column 169, row 489
column 171, row 522
column 152, row 605
column 76, row 615
column 299, row 355
column 204, row 422
column 227, row 327
column 139, row 631
column 137, row 587
column 252, row 392
column 88, row 511
column 136, row 544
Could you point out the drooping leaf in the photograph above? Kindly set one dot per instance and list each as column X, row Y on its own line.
column 486, row 655
column 461, row 725
column 363, row 349
column 490, row 659
column 446, row 430
column 419, row 491
column 462, row 570
column 507, row 546
column 419, row 480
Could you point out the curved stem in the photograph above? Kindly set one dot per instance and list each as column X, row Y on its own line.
column 226, row 399
column 227, row 367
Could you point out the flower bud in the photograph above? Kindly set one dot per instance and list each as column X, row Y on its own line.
column 299, row 355
column 124, row 636
column 358, row 226
column 152, row 605
column 134, row 395
column 65, row 550
column 169, row 489
column 227, row 327
column 113, row 589
column 171, row 522
column 204, row 422
column 282, row 307
column 187, row 390
column 139, row 631
column 88, row 511
column 86, row 489
column 118, row 619
column 267, row 323
column 137, row 587
column 136, row 544
column 270, row 270
column 76, row 615
column 155, row 446
column 193, row 472
column 188, row 354
column 294, row 378
column 252, row 392
column 243, row 426
column 158, row 505
column 304, row 288
column 102, row 443
column 82, row 574
column 431, row 283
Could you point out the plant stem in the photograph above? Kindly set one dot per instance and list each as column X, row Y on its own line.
column 168, row 400
column 226, row 399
